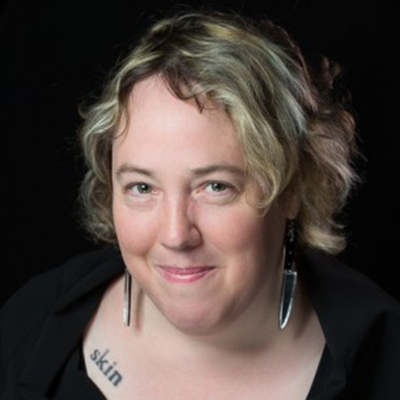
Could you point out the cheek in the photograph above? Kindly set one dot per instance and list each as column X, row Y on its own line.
column 233, row 231
column 248, row 241
column 136, row 232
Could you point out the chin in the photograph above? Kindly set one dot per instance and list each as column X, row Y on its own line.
column 197, row 320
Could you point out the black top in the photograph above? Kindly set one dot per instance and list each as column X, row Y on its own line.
column 42, row 326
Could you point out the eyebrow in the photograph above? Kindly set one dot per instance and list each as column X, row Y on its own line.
column 196, row 172
column 131, row 169
column 217, row 168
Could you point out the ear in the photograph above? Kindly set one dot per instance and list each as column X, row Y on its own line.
column 293, row 206
column 290, row 204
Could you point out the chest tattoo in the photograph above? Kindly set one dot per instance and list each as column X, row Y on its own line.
column 107, row 367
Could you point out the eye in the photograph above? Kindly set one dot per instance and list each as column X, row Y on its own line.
column 140, row 195
column 218, row 192
column 217, row 187
column 139, row 188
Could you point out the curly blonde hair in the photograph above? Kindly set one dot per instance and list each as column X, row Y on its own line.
column 296, row 138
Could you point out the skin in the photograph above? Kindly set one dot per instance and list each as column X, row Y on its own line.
column 181, row 198
column 173, row 207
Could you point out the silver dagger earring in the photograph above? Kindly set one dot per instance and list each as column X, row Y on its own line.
column 127, row 298
column 289, row 276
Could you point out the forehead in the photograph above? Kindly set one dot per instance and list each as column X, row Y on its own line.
column 159, row 122
column 154, row 95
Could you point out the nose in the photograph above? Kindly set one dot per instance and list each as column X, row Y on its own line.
column 178, row 229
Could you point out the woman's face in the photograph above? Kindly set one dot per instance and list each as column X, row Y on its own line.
column 186, row 230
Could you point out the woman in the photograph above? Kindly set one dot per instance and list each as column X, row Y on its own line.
column 217, row 162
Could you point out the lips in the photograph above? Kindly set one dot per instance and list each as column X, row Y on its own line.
column 186, row 274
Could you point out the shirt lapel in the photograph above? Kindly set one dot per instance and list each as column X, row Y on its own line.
column 64, row 329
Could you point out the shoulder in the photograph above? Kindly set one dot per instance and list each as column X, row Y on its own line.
column 339, row 286
column 361, row 323
column 26, row 311
column 42, row 291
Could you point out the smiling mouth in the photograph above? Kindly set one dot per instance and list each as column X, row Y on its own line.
column 184, row 275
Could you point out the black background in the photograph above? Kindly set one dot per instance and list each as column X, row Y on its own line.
column 54, row 54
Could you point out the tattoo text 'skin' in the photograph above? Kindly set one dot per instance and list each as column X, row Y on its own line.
column 106, row 367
